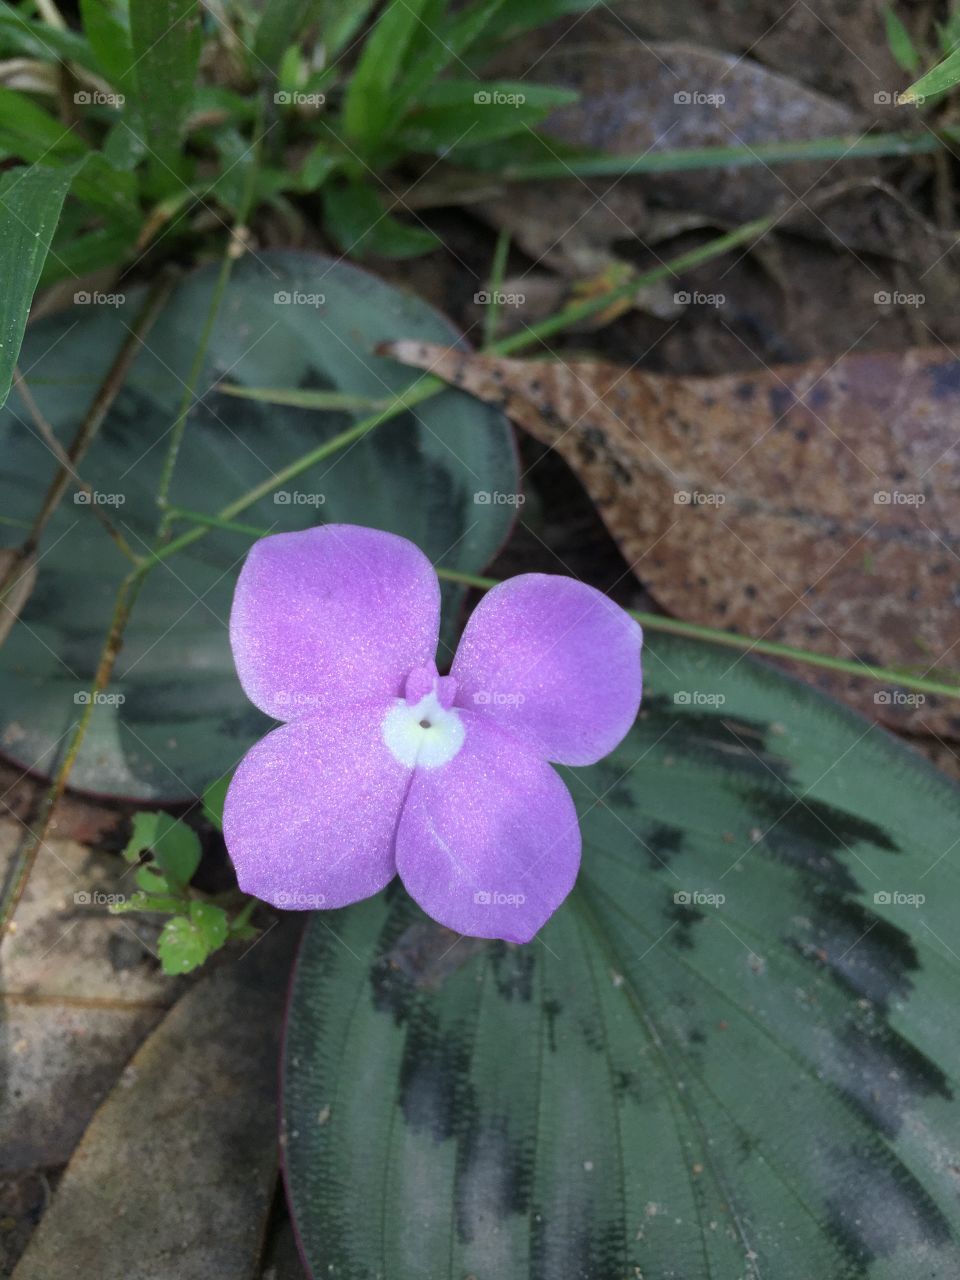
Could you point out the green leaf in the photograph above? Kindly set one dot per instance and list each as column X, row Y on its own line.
column 367, row 106
column 109, row 38
column 340, row 21
column 186, row 941
column 184, row 718
column 900, row 43
column 729, row 1055
column 280, row 24
column 80, row 255
column 145, row 826
column 32, row 134
column 316, row 168
column 151, row 881
column 30, row 204
column 359, row 224
column 166, row 39
column 462, row 114
column 948, row 33
column 174, row 845
column 213, row 798
column 941, row 78
column 176, row 848
column 442, row 48
column 35, row 39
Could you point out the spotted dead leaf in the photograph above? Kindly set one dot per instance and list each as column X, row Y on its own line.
column 815, row 504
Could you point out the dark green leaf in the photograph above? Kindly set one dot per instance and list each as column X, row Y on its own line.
column 462, row 114
column 213, row 798
column 360, row 225
column 442, row 48
column 367, row 106
column 340, row 21
column 109, row 37
column 32, row 134
column 901, row 45
column 176, row 849
column 280, row 23
column 729, row 1055
column 166, row 38
column 185, row 718
column 34, row 39
column 30, row 204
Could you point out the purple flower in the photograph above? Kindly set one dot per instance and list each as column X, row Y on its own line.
column 385, row 767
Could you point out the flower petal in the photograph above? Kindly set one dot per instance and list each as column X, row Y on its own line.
column 489, row 844
column 555, row 662
column 331, row 617
column 311, row 815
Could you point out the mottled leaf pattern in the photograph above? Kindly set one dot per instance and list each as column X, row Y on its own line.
column 662, row 1085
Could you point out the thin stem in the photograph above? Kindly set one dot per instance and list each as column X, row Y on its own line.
column 48, row 436
column 762, row 153
column 70, row 459
column 497, row 270
column 428, row 386
column 223, row 279
column 746, row 644
column 578, row 311
column 123, row 606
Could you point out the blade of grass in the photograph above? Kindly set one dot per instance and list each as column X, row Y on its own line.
column 302, row 397
column 764, row 153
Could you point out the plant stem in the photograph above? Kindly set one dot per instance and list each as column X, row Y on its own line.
column 92, row 421
column 765, row 153
column 497, row 269
column 746, row 644
column 427, row 386
column 123, row 605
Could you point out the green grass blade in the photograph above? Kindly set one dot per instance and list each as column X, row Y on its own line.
column 938, row 80
column 30, row 204
column 166, row 37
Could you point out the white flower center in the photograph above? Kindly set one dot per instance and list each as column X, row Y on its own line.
column 425, row 735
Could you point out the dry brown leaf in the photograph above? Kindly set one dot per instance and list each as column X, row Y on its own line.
column 815, row 504
column 640, row 98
